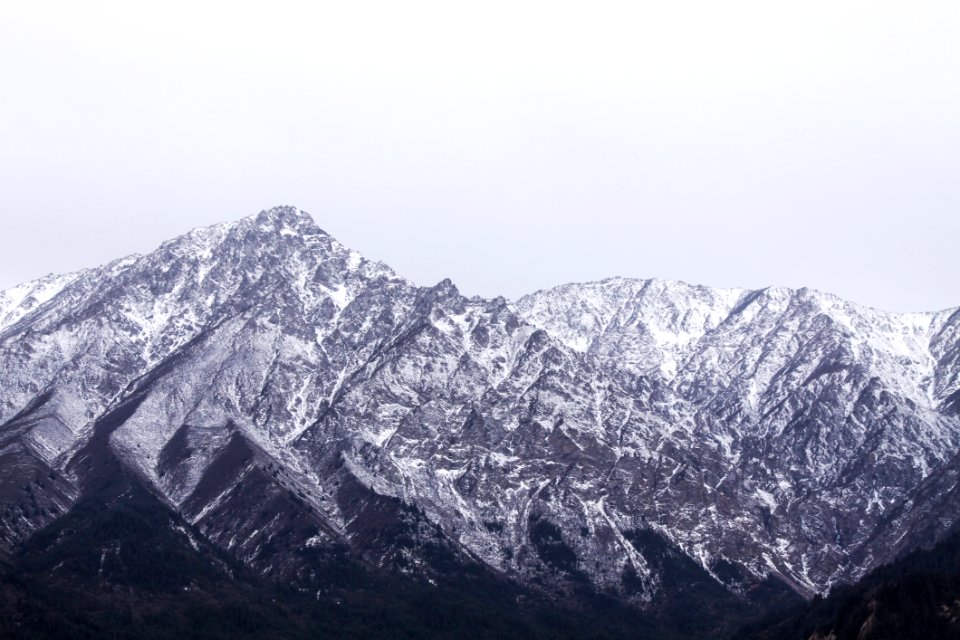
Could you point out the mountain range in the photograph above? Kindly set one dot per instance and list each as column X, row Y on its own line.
column 273, row 409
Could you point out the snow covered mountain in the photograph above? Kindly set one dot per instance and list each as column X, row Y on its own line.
column 287, row 396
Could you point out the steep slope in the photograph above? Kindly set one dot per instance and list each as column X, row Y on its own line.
column 295, row 402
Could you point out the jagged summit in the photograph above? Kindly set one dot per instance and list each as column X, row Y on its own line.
column 283, row 214
column 560, row 439
column 285, row 220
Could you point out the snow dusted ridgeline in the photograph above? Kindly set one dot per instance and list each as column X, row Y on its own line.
column 260, row 367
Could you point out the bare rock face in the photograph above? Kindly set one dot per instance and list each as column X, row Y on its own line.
column 287, row 397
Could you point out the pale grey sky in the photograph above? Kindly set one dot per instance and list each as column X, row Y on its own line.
column 509, row 146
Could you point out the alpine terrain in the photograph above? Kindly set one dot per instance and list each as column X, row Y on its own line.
column 256, row 424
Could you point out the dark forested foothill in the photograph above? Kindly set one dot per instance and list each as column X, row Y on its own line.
column 916, row 597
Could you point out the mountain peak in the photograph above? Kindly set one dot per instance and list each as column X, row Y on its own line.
column 286, row 217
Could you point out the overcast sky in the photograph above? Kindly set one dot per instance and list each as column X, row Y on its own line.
column 509, row 146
